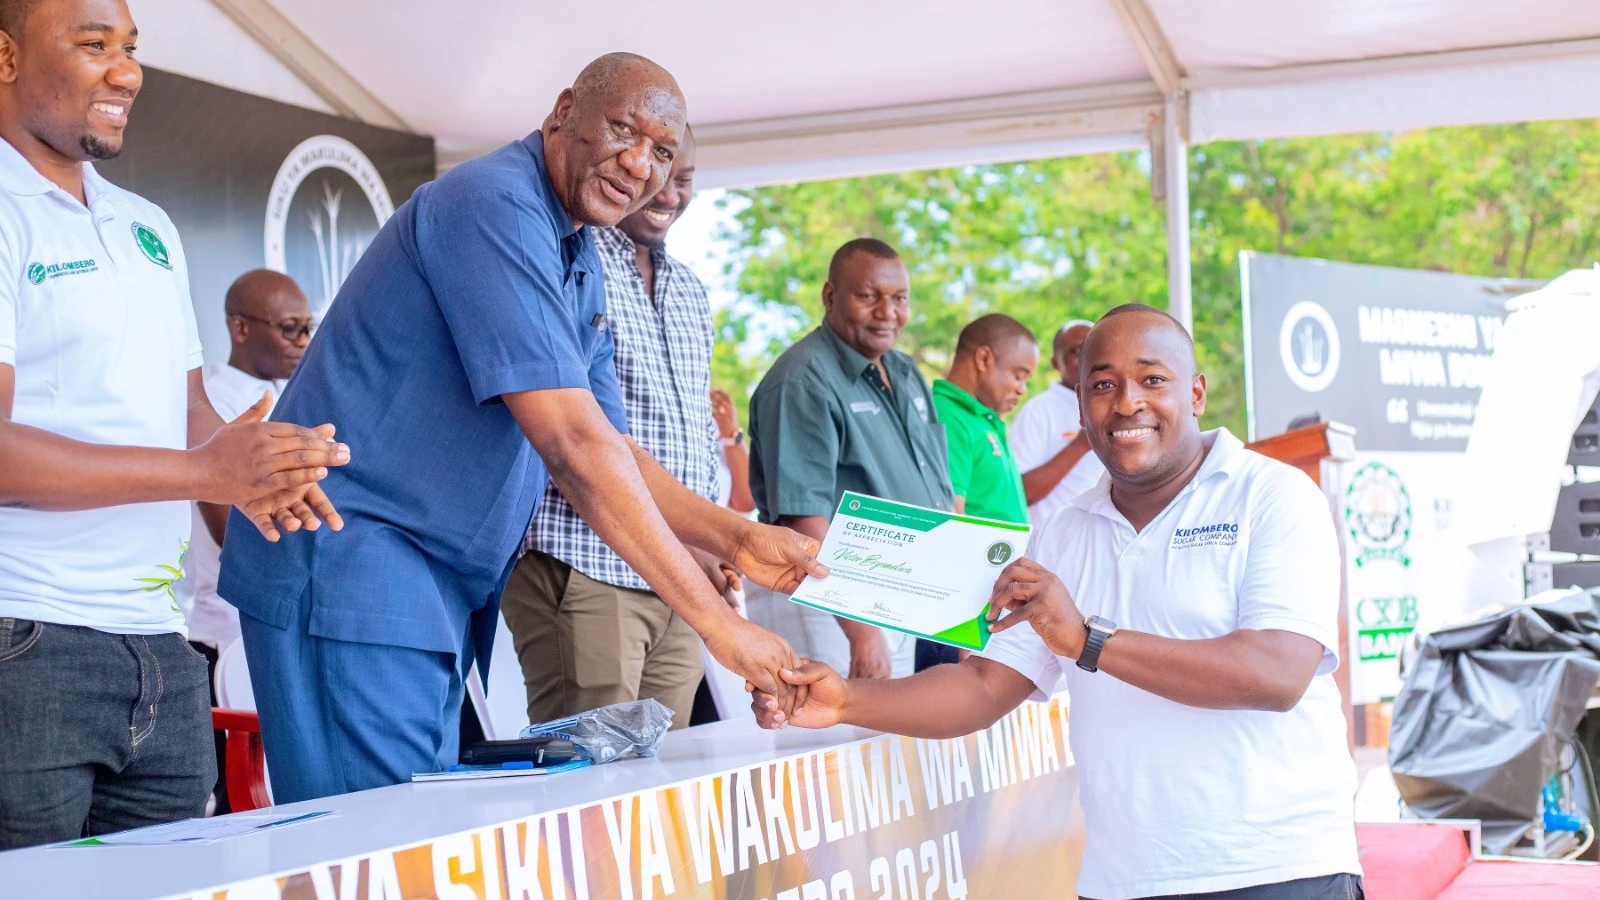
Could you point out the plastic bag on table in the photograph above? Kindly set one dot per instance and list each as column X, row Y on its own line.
column 1486, row 710
column 610, row 733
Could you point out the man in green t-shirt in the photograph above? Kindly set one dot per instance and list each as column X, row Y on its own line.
column 995, row 357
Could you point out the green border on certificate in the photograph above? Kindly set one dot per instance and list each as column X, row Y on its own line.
column 925, row 572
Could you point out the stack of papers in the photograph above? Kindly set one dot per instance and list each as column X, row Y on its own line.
column 198, row 831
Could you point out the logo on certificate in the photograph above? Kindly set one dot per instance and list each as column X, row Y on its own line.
column 998, row 554
column 855, row 505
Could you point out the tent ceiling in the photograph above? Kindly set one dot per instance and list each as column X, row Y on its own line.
column 831, row 87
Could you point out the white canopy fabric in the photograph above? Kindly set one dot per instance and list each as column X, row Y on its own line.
column 784, row 92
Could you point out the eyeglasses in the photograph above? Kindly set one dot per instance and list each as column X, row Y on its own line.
column 293, row 329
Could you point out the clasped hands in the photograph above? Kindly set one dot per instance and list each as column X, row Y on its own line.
column 1024, row 592
column 270, row 470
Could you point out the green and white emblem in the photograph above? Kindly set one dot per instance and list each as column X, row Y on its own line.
column 150, row 243
column 36, row 273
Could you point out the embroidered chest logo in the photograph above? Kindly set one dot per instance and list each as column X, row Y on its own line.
column 994, row 443
column 1222, row 534
column 39, row 273
column 150, row 244
column 865, row 406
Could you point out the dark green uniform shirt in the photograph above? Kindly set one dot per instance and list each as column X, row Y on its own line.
column 822, row 422
column 981, row 466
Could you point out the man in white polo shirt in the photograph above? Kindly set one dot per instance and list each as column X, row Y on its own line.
column 1205, row 721
column 1047, row 439
column 104, row 709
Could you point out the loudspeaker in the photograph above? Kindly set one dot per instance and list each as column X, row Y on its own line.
column 1576, row 526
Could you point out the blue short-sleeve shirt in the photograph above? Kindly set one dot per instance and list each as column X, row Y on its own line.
column 478, row 286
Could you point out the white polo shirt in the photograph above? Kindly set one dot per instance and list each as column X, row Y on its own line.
column 1180, row 800
column 1043, row 427
column 96, row 319
column 211, row 619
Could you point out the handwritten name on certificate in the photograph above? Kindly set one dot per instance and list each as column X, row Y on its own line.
column 922, row 571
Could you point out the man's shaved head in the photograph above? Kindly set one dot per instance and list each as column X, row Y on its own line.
column 1146, row 309
column 997, row 331
column 612, row 137
column 269, row 322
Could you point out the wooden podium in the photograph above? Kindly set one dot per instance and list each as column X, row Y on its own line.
column 1312, row 450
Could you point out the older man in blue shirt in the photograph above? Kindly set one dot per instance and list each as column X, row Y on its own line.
column 467, row 361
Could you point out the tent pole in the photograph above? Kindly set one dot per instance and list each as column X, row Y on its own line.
column 1176, row 150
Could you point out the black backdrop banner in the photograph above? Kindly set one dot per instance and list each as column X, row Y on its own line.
column 252, row 182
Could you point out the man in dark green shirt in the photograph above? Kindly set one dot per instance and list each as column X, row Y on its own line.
column 843, row 410
column 995, row 357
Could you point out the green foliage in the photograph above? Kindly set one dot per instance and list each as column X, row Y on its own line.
column 1051, row 240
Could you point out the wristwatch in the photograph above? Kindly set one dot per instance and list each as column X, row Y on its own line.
column 1100, row 631
column 738, row 438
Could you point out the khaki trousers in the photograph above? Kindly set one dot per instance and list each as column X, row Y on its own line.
column 584, row 644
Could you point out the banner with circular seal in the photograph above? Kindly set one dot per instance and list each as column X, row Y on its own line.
column 335, row 253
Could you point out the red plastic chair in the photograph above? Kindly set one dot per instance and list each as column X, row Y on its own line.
column 246, row 758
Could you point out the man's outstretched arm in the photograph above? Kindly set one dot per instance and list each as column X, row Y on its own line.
column 937, row 703
column 595, row 469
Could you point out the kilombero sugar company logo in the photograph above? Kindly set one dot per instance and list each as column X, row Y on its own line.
column 1220, row 534
column 39, row 273
column 151, row 246
column 305, row 236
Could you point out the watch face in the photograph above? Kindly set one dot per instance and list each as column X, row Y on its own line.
column 1099, row 624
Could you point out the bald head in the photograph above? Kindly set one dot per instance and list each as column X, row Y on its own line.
column 1141, row 396
column 611, row 139
column 269, row 322
column 1064, row 350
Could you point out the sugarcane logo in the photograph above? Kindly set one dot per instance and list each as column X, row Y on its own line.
column 36, row 273
column 1377, row 513
column 338, row 245
column 998, row 554
column 151, row 246
column 1308, row 344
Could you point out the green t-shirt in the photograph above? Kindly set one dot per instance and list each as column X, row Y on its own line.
column 982, row 468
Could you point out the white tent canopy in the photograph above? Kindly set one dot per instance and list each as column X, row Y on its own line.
column 831, row 88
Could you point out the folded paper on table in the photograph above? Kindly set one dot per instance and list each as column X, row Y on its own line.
column 925, row 572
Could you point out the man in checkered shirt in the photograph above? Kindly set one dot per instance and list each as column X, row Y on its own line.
column 588, row 630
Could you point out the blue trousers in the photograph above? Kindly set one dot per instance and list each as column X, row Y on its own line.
column 341, row 716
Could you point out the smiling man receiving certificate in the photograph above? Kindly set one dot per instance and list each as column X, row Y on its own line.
column 921, row 571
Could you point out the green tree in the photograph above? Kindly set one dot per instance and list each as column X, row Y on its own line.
column 1050, row 240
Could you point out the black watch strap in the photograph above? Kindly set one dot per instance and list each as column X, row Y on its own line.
column 1089, row 659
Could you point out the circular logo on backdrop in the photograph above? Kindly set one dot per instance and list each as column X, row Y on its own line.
column 1377, row 509
column 1309, row 345
column 999, row 552
column 312, row 234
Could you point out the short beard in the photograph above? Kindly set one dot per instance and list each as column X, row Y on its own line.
column 95, row 148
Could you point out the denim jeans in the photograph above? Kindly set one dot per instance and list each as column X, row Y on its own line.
column 99, row 732
column 1325, row 887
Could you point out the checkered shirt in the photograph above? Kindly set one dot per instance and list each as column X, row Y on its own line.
column 664, row 371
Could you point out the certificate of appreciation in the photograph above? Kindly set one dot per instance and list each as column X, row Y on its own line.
column 921, row 571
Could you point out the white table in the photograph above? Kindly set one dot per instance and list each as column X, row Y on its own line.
column 374, row 820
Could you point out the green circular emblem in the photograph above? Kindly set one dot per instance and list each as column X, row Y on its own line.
column 150, row 244
column 999, row 553
column 1377, row 512
column 855, row 505
column 36, row 273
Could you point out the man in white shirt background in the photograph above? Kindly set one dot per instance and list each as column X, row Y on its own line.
column 1191, row 599
column 106, row 434
column 1051, row 449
